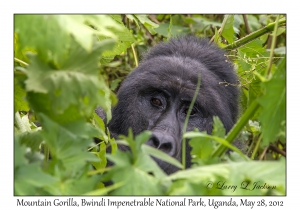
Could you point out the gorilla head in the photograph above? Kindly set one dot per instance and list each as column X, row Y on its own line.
column 156, row 95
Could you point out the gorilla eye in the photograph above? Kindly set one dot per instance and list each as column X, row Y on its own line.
column 156, row 102
column 192, row 112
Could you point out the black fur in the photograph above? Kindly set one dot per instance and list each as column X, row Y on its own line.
column 157, row 94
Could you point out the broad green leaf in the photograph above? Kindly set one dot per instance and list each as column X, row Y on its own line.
column 76, row 25
column 254, row 23
column 115, row 83
column 50, row 35
column 228, row 32
column 101, row 155
column 175, row 30
column 134, row 18
column 124, row 40
column 19, row 152
column 147, row 23
column 273, row 103
column 135, row 144
column 238, row 174
column 104, row 191
column 21, row 123
column 125, row 171
column 74, row 185
column 31, row 139
column 20, row 103
column 254, row 49
column 76, row 84
column 222, row 141
column 43, row 34
column 28, row 177
column 161, row 155
column 68, row 143
column 218, row 128
column 143, row 184
column 202, row 147
column 141, row 139
column 137, row 166
column 254, row 91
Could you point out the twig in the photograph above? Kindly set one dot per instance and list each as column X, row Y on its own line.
column 276, row 149
column 246, row 24
column 264, row 153
column 21, row 62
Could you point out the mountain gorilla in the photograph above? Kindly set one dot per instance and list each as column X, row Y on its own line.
column 156, row 96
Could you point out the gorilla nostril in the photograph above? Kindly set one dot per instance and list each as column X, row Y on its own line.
column 155, row 142
column 163, row 144
column 166, row 147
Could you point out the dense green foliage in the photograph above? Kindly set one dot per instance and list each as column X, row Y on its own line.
column 67, row 65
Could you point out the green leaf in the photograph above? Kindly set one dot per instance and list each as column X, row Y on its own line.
column 101, row 163
column 161, row 155
column 74, row 185
column 135, row 166
column 43, row 34
column 75, row 84
column 135, row 145
column 28, row 177
column 222, row 141
column 228, row 32
column 20, row 103
column 124, row 40
column 147, row 23
column 202, row 147
column 254, row 91
column 187, row 188
column 68, row 144
column 21, row 123
column 253, row 48
column 19, row 152
column 273, row 103
column 31, row 139
column 125, row 171
column 135, row 19
column 218, row 128
column 98, row 122
column 104, row 191
column 50, row 35
column 238, row 174
column 144, row 184
column 175, row 30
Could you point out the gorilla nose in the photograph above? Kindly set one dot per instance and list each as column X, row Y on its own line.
column 162, row 142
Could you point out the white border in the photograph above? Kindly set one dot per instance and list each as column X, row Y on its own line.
column 8, row 8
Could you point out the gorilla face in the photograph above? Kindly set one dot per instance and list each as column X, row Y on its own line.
column 156, row 96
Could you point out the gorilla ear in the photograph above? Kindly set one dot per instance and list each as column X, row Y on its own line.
column 101, row 113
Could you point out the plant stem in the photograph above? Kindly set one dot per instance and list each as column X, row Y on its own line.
column 134, row 55
column 21, row 62
column 222, row 27
column 272, row 47
column 254, row 35
column 256, row 147
column 233, row 133
column 187, row 120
